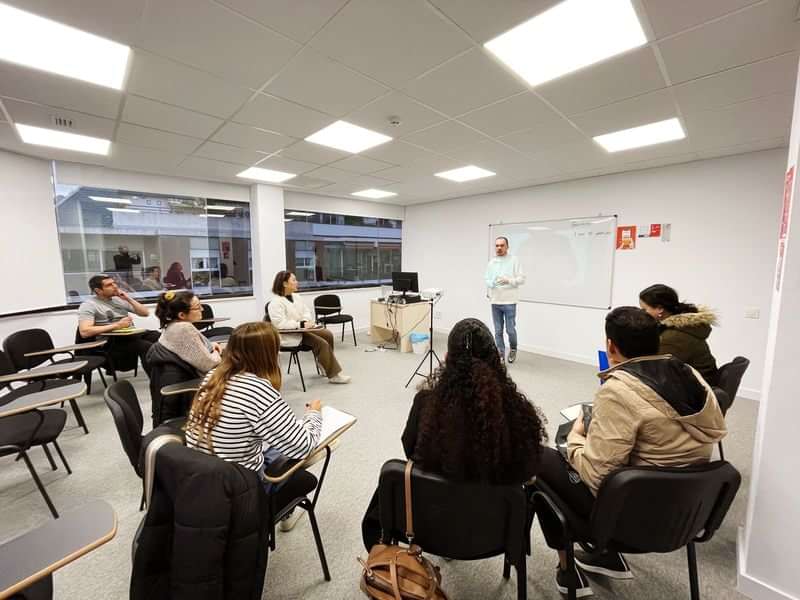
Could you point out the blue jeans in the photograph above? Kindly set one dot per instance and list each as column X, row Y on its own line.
column 505, row 314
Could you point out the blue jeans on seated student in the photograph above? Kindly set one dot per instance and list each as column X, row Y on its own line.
column 505, row 314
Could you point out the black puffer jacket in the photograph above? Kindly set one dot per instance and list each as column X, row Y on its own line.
column 205, row 533
column 167, row 368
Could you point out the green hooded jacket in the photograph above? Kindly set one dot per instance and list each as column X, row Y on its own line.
column 684, row 336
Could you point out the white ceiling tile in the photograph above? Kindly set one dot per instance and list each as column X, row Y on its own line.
column 116, row 20
column 42, row 116
column 149, row 113
column 135, row 158
column 212, row 37
column 251, row 138
column 676, row 15
column 445, row 136
column 203, row 168
column 641, row 110
column 360, row 164
column 763, row 78
column 451, row 87
column 658, row 162
column 755, row 120
column 519, row 112
column 316, row 81
column 411, row 114
column 297, row 20
column 287, row 165
column 493, row 156
column 331, row 174
column 753, row 34
column 45, row 88
column 423, row 166
column 397, row 152
column 274, row 114
column 145, row 137
column 227, row 153
column 577, row 156
column 389, row 40
column 308, row 183
column 779, row 142
column 313, row 153
column 542, row 137
column 167, row 81
column 484, row 20
column 631, row 74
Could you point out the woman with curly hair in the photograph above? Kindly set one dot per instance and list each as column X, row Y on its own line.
column 470, row 422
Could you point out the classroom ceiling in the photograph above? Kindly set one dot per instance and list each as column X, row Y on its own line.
column 216, row 86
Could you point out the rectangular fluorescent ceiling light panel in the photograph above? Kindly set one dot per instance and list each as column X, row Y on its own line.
column 348, row 137
column 111, row 200
column 210, row 216
column 123, row 210
column 267, row 175
column 39, row 136
column 297, row 213
column 288, row 220
column 32, row 41
column 571, row 35
column 465, row 174
column 646, row 135
column 373, row 193
column 220, row 207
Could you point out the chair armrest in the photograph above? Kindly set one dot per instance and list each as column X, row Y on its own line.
column 539, row 493
column 48, row 372
column 67, row 349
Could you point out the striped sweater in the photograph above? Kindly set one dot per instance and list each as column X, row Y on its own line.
column 255, row 418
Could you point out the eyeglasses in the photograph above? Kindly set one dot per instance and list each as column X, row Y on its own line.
column 200, row 307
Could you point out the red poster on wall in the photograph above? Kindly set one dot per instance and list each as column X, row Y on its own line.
column 626, row 237
column 655, row 230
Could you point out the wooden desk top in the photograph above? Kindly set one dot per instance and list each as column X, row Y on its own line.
column 124, row 332
column 213, row 320
column 48, row 372
column 70, row 348
column 181, row 388
column 44, row 398
column 38, row 553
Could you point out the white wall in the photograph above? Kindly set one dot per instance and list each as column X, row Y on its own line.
column 768, row 553
column 724, row 216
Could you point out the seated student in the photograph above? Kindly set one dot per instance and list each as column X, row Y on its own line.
column 288, row 311
column 652, row 410
column 239, row 415
column 153, row 279
column 470, row 423
column 684, row 329
column 181, row 353
column 108, row 311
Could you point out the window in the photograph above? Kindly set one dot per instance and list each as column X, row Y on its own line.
column 327, row 251
column 153, row 242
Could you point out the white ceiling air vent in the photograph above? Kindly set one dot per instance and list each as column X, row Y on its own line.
column 62, row 122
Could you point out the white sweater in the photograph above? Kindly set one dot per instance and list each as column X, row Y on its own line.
column 508, row 268
column 287, row 314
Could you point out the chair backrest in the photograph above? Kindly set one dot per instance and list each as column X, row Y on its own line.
column 457, row 520
column 327, row 304
column 123, row 403
column 730, row 376
column 659, row 509
column 266, row 313
column 6, row 366
column 20, row 343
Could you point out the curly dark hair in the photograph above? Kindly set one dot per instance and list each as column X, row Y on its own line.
column 475, row 424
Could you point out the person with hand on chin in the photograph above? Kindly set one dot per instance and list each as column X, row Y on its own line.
column 287, row 310
column 109, row 310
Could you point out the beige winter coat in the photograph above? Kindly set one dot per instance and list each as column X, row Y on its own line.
column 634, row 425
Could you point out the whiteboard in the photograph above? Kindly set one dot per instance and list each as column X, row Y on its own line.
column 565, row 261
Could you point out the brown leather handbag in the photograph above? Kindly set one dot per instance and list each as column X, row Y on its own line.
column 393, row 572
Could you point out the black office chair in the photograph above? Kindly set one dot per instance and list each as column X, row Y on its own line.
column 294, row 352
column 19, row 433
column 463, row 521
column 208, row 329
column 20, row 343
column 328, row 311
column 730, row 376
column 648, row 509
column 114, row 361
column 123, row 403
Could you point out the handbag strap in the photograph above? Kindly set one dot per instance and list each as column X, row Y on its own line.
column 409, row 512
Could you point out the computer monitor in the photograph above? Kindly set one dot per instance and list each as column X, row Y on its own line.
column 405, row 282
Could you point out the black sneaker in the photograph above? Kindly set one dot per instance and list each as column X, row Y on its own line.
column 610, row 564
column 512, row 356
column 582, row 588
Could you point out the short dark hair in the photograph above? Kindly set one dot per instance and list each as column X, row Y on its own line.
column 171, row 304
column 502, row 237
column 660, row 295
column 281, row 278
column 96, row 282
column 633, row 331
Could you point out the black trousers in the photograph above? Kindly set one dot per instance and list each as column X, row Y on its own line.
column 301, row 483
column 124, row 348
column 573, row 495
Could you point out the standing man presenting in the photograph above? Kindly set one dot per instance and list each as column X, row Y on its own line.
column 503, row 277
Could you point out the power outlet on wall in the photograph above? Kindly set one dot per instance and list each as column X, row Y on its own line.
column 437, row 314
column 752, row 313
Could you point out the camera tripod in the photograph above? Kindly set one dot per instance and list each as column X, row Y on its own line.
column 429, row 355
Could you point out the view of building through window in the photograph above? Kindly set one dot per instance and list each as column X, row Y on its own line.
column 153, row 242
column 328, row 251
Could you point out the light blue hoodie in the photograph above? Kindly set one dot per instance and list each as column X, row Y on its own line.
column 508, row 267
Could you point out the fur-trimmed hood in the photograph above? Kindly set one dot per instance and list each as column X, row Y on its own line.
column 695, row 324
